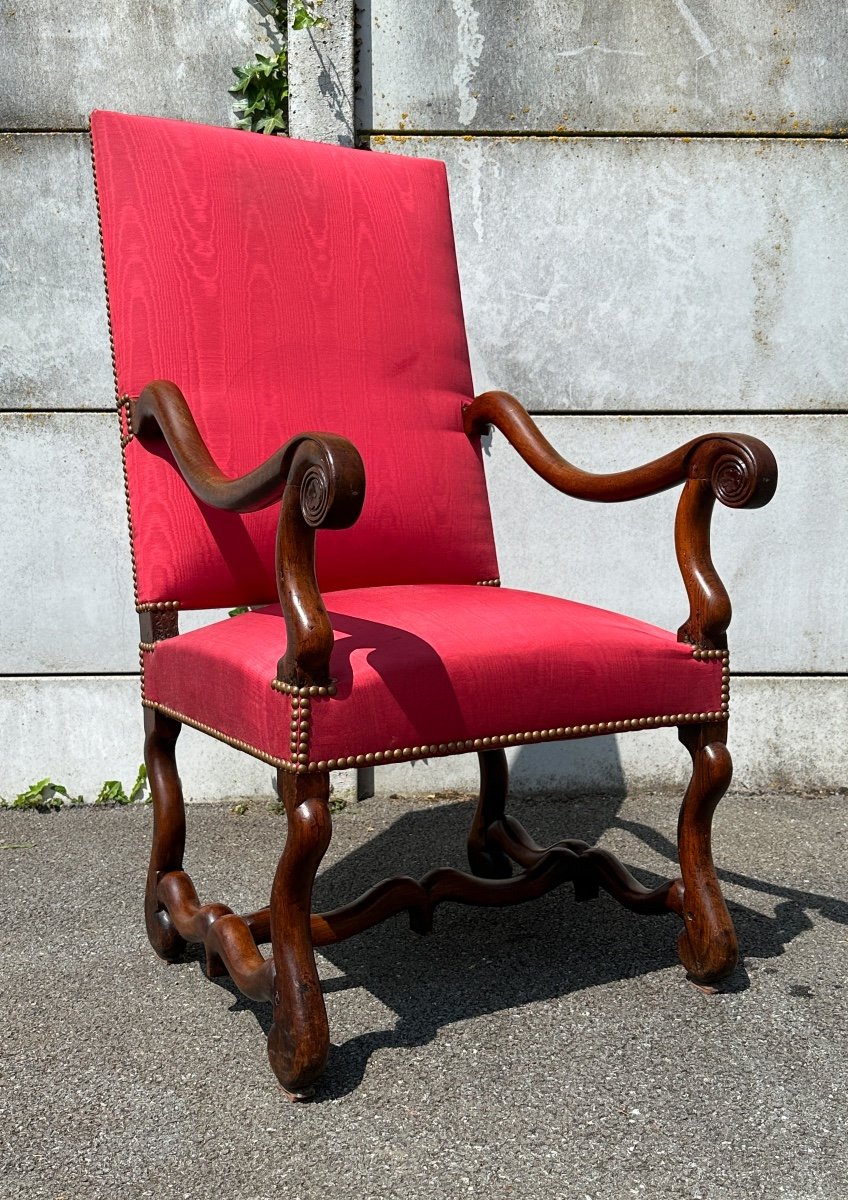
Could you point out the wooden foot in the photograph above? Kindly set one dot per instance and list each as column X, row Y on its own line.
column 299, row 1040
column 168, row 829
column 707, row 945
column 486, row 859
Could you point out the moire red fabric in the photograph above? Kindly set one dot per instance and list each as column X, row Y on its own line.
column 433, row 664
column 287, row 286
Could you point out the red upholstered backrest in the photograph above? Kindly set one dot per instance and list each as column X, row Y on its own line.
column 287, row 286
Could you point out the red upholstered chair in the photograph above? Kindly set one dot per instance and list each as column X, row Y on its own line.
column 281, row 287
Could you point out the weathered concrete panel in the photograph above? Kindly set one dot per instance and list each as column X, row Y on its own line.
column 785, row 734
column 785, row 566
column 321, row 76
column 66, row 582
column 80, row 732
column 61, row 60
column 644, row 274
column 624, row 273
column 54, row 340
column 624, row 65
column 66, row 593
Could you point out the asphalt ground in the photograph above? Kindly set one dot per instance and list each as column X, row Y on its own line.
column 550, row 1050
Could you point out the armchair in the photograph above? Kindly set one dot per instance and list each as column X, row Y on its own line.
column 282, row 285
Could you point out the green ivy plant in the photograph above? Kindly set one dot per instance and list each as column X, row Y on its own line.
column 304, row 15
column 113, row 792
column 262, row 86
column 47, row 796
column 262, row 90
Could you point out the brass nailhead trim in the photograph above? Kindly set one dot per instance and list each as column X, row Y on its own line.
column 157, row 606
column 542, row 735
column 301, row 725
column 488, row 583
column 147, row 647
column 222, row 737
column 313, row 689
column 301, row 764
column 513, row 739
column 122, row 402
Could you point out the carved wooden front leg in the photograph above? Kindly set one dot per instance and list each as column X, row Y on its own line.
column 707, row 945
column 299, row 1040
column 168, row 828
column 486, row 859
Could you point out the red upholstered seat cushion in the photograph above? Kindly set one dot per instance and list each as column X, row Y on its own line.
column 430, row 669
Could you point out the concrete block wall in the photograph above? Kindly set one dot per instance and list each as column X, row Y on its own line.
column 649, row 204
column 69, row 697
column 632, row 286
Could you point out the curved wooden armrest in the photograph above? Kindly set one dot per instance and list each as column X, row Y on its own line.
column 742, row 469
column 321, row 479
column 734, row 468
column 161, row 411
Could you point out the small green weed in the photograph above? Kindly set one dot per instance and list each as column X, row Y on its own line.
column 45, row 796
column 113, row 792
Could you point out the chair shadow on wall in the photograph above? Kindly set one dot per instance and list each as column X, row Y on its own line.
column 481, row 961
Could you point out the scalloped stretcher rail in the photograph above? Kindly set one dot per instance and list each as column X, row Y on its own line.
column 231, row 941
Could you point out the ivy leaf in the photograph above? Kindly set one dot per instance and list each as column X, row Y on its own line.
column 272, row 122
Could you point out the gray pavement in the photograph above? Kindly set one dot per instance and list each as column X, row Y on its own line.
column 545, row 1051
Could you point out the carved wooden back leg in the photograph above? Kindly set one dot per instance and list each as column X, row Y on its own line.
column 168, row 828
column 486, row 859
column 707, row 945
column 299, row 1040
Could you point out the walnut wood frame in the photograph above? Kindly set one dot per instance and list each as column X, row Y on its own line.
column 320, row 480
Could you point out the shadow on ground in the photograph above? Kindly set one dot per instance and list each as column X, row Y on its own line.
column 481, row 961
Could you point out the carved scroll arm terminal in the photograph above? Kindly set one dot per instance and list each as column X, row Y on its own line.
column 321, row 481
column 734, row 468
